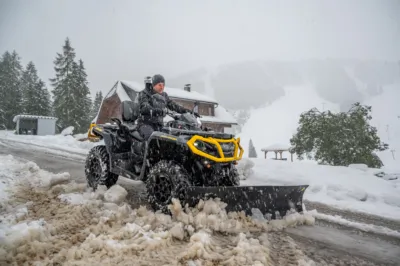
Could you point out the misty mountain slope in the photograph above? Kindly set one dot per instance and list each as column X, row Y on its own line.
column 247, row 84
column 244, row 85
column 196, row 78
column 277, row 122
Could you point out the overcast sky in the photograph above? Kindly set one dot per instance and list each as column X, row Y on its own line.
column 128, row 39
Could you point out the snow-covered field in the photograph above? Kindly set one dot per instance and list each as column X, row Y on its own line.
column 48, row 219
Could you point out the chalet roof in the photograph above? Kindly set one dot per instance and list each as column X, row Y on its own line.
column 17, row 117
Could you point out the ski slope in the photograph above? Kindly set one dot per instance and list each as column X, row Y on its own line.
column 277, row 122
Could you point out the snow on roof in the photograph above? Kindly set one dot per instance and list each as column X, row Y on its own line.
column 17, row 117
column 174, row 92
column 277, row 147
column 221, row 116
column 120, row 92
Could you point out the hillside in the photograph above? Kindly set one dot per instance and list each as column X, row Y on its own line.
column 255, row 83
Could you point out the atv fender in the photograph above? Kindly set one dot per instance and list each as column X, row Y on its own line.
column 163, row 146
column 108, row 141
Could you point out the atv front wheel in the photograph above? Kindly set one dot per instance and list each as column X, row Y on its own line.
column 231, row 177
column 228, row 177
column 97, row 168
column 166, row 180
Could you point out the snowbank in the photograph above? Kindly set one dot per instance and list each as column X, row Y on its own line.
column 64, row 223
column 57, row 143
column 354, row 188
column 245, row 168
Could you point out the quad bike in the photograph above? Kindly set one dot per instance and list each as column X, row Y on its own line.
column 184, row 161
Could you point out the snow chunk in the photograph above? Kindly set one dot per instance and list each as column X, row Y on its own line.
column 245, row 168
column 67, row 131
column 116, row 194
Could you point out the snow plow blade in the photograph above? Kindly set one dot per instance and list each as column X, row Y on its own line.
column 268, row 199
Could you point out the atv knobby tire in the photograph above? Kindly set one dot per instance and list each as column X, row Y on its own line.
column 97, row 168
column 231, row 178
column 166, row 180
column 227, row 179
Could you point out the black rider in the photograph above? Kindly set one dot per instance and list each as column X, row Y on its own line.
column 153, row 103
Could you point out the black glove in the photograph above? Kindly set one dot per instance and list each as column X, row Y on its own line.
column 160, row 111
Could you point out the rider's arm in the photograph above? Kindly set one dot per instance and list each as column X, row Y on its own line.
column 145, row 107
column 174, row 106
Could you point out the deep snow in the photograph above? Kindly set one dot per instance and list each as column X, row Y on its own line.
column 352, row 188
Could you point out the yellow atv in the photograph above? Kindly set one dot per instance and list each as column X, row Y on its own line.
column 181, row 161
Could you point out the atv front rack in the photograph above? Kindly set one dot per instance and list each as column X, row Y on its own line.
column 217, row 143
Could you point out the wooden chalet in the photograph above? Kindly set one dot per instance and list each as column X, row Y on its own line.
column 213, row 115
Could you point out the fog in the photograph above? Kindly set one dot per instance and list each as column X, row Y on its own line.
column 131, row 39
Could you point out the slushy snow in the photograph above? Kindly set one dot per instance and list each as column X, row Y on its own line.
column 48, row 219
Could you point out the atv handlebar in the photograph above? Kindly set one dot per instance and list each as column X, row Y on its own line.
column 177, row 115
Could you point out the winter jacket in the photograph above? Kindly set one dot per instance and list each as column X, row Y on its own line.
column 153, row 104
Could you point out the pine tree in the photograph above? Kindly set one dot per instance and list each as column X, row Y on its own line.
column 62, row 83
column 36, row 97
column 252, row 150
column 2, row 111
column 43, row 100
column 28, row 87
column 10, row 91
column 71, row 93
column 83, row 114
column 96, row 104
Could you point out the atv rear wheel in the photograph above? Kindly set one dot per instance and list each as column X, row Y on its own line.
column 97, row 168
column 166, row 180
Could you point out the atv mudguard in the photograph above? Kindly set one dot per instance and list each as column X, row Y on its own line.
column 163, row 146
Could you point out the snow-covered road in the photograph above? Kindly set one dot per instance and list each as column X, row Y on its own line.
column 329, row 241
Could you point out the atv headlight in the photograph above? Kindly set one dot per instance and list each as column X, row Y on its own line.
column 200, row 145
column 227, row 147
